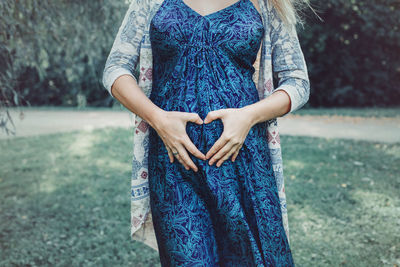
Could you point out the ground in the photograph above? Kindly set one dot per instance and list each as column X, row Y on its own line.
column 65, row 195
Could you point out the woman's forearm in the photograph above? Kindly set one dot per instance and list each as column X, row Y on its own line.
column 275, row 105
column 126, row 90
column 129, row 94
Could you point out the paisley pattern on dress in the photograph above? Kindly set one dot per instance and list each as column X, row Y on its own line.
column 220, row 216
column 280, row 56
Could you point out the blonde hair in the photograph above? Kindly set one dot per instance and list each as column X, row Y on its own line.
column 289, row 10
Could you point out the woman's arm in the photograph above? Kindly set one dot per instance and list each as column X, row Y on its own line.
column 118, row 74
column 170, row 126
column 292, row 92
column 124, row 55
column 120, row 82
column 277, row 104
column 289, row 67
column 129, row 94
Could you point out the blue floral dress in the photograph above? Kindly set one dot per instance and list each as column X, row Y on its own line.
column 219, row 216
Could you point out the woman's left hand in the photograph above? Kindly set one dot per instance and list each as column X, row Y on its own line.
column 237, row 124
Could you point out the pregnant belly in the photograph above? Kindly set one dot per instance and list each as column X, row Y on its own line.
column 204, row 136
column 205, row 100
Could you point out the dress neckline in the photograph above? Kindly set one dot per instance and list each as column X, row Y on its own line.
column 212, row 13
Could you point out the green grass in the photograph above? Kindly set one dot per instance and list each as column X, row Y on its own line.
column 65, row 201
column 343, row 201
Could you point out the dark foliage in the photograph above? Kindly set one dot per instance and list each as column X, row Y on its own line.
column 53, row 52
column 353, row 56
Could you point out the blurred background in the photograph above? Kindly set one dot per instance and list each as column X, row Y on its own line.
column 65, row 144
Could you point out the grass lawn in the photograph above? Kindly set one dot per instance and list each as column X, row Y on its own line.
column 65, row 201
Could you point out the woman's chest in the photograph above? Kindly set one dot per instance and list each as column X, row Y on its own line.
column 237, row 28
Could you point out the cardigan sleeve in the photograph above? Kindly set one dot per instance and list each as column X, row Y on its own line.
column 124, row 55
column 288, row 63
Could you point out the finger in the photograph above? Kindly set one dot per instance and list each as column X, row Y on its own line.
column 170, row 155
column 193, row 149
column 236, row 153
column 185, row 157
column 227, row 155
column 212, row 115
column 179, row 158
column 225, row 149
column 193, row 117
column 217, row 146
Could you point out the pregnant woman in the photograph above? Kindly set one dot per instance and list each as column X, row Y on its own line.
column 213, row 191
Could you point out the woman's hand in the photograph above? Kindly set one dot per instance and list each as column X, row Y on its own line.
column 237, row 124
column 171, row 127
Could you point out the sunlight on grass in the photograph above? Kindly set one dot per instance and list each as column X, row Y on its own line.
column 294, row 164
column 380, row 203
column 343, row 201
column 393, row 151
column 309, row 221
column 65, row 201
column 48, row 184
column 82, row 144
column 111, row 163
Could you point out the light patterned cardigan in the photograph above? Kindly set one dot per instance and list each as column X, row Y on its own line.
column 280, row 55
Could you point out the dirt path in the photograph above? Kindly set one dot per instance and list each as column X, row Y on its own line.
column 37, row 122
column 361, row 128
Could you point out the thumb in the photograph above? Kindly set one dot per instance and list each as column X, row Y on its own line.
column 194, row 117
column 212, row 115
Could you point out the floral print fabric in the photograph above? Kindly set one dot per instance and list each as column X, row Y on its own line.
column 218, row 216
column 281, row 56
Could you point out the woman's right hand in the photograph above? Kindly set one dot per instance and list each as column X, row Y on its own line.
column 171, row 127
